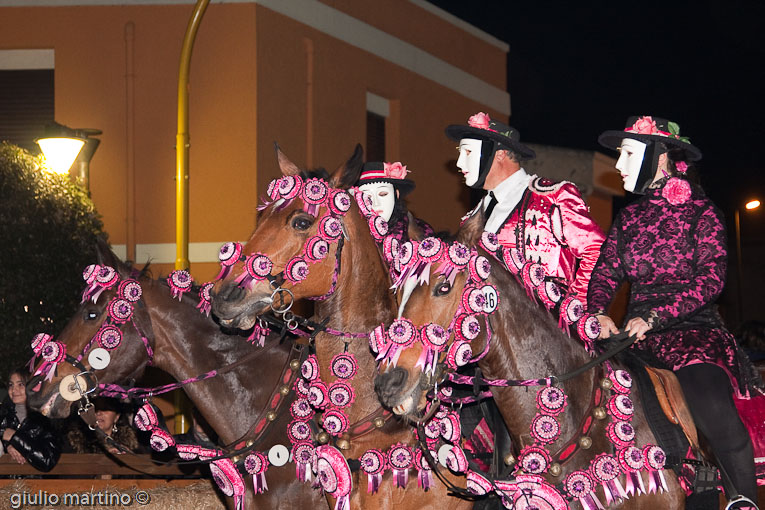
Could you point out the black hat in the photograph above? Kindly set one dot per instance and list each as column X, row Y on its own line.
column 649, row 129
column 392, row 173
column 481, row 127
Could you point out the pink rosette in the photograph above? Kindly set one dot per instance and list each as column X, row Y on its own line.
column 579, row 485
column 400, row 458
column 298, row 430
column 107, row 276
column 621, row 433
column 89, row 273
column 391, row 246
column 301, row 387
column 631, row 462
column 315, row 191
column 406, row 252
column 273, row 189
column 622, row 381
column 451, row 427
column 316, row 249
column 424, row 471
column 161, row 440
column 446, row 391
column 479, row 268
column 534, row 460
column 301, row 409
column 129, row 290
column 378, row 227
column 533, row 275
column 430, row 249
column 551, row 400
column 489, row 242
column 120, row 310
column 343, row 366
column 459, row 254
column 310, row 368
column 401, row 335
column 513, row 259
column 433, row 428
column 341, row 394
column 588, row 328
column 459, row 355
column 605, row 469
column 377, row 339
column 53, row 352
column 302, row 454
column 330, row 228
column 317, row 395
column 364, row 202
column 334, row 475
column 456, row 460
column 289, row 186
column 531, row 492
column 544, row 428
column 229, row 480
column 256, row 464
column 207, row 453
column 373, row 464
column 571, row 310
column 434, row 339
column 676, row 191
column 39, row 341
column 229, row 254
column 480, row 120
column 549, row 294
column 205, row 299
column 146, row 418
column 654, row 460
column 180, row 281
column 620, row 407
column 186, row 451
column 258, row 266
column 109, row 337
column 339, row 201
column 467, row 327
column 473, row 300
column 477, row 484
column 296, row 270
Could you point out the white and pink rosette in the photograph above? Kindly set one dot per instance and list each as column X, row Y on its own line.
column 301, row 409
column 605, row 469
column 298, row 430
column 531, row 492
column 228, row 255
column 373, row 464
column 489, row 242
column 478, row 484
column 533, row 275
column 655, row 458
column 450, row 427
column 401, row 334
column 631, row 462
column 378, row 227
column 534, row 460
column 579, row 485
column 256, row 464
column 316, row 249
column 571, row 310
column 119, row 310
column 330, row 228
column 429, row 250
column 257, row 266
column 288, row 187
column 513, row 259
column 161, row 440
column 551, row 400
column 310, row 368
column 343, row 365
column 621, row 433
column 620, row 407
column 459, row 354
column 318, row 394
column 180, row 282
column 146, row 418
column 296, row 270
column 400, row 459
column 335, row 422
column 456, row 460
column 229, row 480
column 544, row 428
column 377, row 339
column 130, row 290
column 98, row 279
column 301, row 387
column 457, row 257
column 341, row 394
column 433, row 338
column 588, row 329
column 479, row 268
column 38, row 342
column 205, row 299
column 467, row 327
column 339, row 201
column 302, row 455
column 334, row 475
column 424, row 471
column 52, row 353
column 315, row 193
column 364, row 202
column 549, row 294
column 622, row 381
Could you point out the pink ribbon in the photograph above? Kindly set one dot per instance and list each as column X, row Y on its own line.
column 373, row 483
column 656, row 481
column 634, row 484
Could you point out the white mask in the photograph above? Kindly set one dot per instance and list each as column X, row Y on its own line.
column 469, row 161
column 383, row 196
column 631, row 154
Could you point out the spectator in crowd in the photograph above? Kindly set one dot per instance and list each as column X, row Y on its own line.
column 111, row 419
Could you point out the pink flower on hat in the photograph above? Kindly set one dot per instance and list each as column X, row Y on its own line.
column 395, row 170
column 480, row 120
column 681, row 166
column 676, row 191
column 644, row 126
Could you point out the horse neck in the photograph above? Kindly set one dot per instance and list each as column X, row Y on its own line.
column 187, row 344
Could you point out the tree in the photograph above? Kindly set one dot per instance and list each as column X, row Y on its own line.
column 48, row 232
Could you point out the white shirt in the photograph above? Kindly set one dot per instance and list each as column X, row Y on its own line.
column 508, row 192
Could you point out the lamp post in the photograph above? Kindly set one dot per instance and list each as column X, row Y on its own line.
column 65, row 148
column 749, row 206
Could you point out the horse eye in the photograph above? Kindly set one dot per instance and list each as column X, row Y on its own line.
column 301, row 223
column 91, row 315
column 442, row 289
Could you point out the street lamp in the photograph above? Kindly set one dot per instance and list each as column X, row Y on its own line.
column 65, row 148
column 749, row 206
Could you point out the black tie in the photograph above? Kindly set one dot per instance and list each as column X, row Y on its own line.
column 492, row 204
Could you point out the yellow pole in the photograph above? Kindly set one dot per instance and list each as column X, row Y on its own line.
column 182, row 173
column 182, row 141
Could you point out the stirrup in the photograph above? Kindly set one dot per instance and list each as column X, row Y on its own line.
column 741, row 502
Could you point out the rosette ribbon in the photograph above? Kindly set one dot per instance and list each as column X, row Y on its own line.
column 424, row 473
column 229, row 480
column 302, row 455
column 180, row 282
column 654, row 462
column 52, row 353
column 256, row 464
column 579, row 485
column 400, row 458
column 205, row 300
column 433, row 338
column 259, row 334
column 334, row 475
column 98, row 278
column 38, row 342
column 605, row 469
column 631, row 461
column 401, row 334
column 373, row 464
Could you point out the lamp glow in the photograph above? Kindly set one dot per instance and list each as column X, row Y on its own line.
column 60, row 153
column 752, row 204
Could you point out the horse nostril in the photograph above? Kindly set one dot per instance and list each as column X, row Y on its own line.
column 391, row 382
column 231, row 293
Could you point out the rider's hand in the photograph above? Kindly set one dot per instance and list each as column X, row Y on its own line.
column 14, row 453
column 607, row 326
column 638, row 327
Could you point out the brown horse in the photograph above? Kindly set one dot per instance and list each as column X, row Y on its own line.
column 526, row 342
column 185, row 344
column 355, row 282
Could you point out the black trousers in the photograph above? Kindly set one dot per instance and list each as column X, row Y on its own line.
column 708, row 392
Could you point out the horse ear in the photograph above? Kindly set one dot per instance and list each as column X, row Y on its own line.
column 472, row 228
column 106, row 257
column 287, row 167
column 348, row 173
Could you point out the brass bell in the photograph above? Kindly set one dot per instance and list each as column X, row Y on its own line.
column 585, row 442
column 322, row 438
column 343, row 444
column 236, row 458
column 555, row 469
column 295, row 364
column 509, row 459
column 284, row 390
column 271, row 415
column 599, row 413
column 606, row 383
column 250, row 442
column 379, row 422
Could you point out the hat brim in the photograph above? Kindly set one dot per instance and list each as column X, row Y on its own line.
column 613, row 139
column 404, row 186
column 458, row 131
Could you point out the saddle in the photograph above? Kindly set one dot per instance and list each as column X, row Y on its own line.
column 672, row 402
